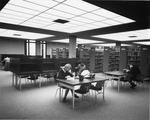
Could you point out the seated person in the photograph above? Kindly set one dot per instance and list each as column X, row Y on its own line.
column 87, row 74
column 62, row 74
column 80, row 67
column 132, row 74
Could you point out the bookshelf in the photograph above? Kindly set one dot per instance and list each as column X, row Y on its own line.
column 144, row 60
column 60, row 53
column 96, row 60
column 123, row 58
column 133, row 55
column 106, row 58
column 114, row 58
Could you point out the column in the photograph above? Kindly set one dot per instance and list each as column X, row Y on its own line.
column 72, row 46
column 38, row 48
column 118, row 45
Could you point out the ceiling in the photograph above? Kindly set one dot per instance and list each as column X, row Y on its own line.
column 100, row 21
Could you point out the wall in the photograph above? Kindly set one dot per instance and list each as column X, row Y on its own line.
column 11, row 46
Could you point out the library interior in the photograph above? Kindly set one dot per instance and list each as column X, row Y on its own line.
column 106, row 39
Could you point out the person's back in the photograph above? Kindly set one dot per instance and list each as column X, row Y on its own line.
column 7, row 59
column 135, row 71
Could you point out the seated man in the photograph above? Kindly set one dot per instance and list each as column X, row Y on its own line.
column 80, row 67
column 132, row 75
column 62, row 74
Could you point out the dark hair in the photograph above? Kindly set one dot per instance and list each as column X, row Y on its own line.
column 79, row 62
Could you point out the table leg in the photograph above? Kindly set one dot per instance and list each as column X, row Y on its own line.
column 20, row 82
column 73, row 99
column 13, row 79
column 16, row 80
column 119, row 84
column 103, row 91
column 60, row 94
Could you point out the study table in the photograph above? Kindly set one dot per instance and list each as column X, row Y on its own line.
column 71, row 83
column 116, row 74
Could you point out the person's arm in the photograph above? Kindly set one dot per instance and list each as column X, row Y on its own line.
column 68, row 73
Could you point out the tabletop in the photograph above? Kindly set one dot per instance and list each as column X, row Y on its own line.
column 76, row 81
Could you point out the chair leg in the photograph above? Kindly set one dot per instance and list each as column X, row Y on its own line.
column 57, row 91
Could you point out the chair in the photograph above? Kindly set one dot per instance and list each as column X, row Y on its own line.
column 140, row 80
column 34, row 77
column 98, row 88
column 84, row 89
column 46, row 76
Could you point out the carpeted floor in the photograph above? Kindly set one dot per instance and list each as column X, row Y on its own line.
column 40, row 103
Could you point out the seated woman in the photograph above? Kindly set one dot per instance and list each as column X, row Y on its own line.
column 62, row 74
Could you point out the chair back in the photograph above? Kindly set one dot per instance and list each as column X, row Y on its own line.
column 139, row 78
column 99, row 84
column 85, row 87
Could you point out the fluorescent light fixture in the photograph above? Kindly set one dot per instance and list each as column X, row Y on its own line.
column 29, row 24
column 80, row 4
column 79, row 41
column 45, row 3
column 101, row 24
column 37, row 22
column 43, row 19
column 111, row 22
column 110, row 44
column 143, row 43
column 3, row 15
column 105, row 13
column 59, row 13
column 123, row 19
column 21, row 9
column 76, row 22
column 93, row 17
column 22, row 34
column 49, row 16
column 28, row 5
column 60, row 1
column 84, row 20
column 68, row 9
column 9, row 20
column 15, row 13
column 126, row 36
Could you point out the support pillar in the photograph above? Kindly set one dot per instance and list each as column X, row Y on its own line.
column 38, row 48
column 72, row 46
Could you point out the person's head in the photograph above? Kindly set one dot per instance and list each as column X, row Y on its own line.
column 79, row 62
column 129, row 66
column 67, row 67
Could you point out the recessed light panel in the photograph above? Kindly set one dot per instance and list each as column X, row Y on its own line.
column 44, row 12
column 127, row 36
column 22, row 34
column 79, row 41
column 143, row 43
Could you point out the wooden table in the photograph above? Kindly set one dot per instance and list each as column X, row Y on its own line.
column 74, row 82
